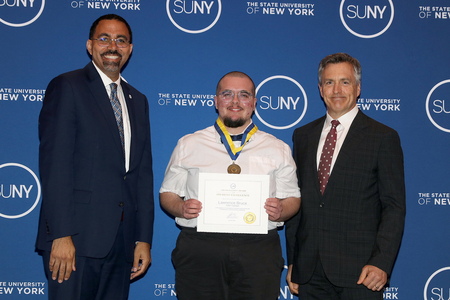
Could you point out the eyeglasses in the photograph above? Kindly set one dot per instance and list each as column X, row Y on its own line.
column 228, row 96
column 106, row 41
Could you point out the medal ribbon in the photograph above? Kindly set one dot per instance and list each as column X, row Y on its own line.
column 232, row 150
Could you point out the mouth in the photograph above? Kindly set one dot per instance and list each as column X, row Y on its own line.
column 338, row 98
column 235, row 109
column 111, row 55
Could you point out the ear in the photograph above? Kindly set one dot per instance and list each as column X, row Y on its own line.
column 215, row 101
column 89, row 46
column 255, row 100
column 320, row 89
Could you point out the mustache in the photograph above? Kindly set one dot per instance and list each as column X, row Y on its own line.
column 232, row 106
column 111, row 52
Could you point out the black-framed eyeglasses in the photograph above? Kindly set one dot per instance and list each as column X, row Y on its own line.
column 106, row 41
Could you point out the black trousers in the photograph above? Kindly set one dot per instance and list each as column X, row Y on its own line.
column 95, row 278
column 224, row 266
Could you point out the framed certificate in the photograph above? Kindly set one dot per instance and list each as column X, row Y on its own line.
column 233, row 203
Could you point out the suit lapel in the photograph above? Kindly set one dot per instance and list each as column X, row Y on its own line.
column 313, row 139
column 355, row 137
column 101, row 97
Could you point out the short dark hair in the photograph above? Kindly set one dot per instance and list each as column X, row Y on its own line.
column 236, row 74
column 340, row 58
column 110, row 17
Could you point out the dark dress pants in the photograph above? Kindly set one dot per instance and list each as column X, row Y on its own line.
column 320, row 288
column 94, row 278
column 224, row 266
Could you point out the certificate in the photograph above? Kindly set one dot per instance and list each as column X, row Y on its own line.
column 233, row 203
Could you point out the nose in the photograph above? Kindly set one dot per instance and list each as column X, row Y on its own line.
column 235, row 98
column 112, row 44
column 336, row 88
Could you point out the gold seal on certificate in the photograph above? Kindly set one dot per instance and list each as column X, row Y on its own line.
column 249, row 218
column 234, row 169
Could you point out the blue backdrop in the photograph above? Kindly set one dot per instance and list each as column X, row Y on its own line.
column 181, row 49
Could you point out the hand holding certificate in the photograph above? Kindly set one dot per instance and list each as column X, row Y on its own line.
column 233, row 203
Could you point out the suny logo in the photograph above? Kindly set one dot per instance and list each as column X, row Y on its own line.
column 19, row 13
column 193, row 16
column 437, row 286
column 282, row 102
column 367, row 18
column 438, row 105
column 20, row 190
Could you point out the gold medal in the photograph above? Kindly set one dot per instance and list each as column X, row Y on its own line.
column 227, row 141
column 234, row 169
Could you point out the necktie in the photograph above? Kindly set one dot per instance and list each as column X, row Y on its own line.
column 327, row 156
column 117, row 108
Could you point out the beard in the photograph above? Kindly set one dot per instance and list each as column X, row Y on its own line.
column 228, row 122
column 112, row 66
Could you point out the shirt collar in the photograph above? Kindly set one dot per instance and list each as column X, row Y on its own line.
column 346, row 119
column 106, row 80
column 219, row 140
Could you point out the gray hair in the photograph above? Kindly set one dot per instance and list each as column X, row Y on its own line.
column 340, row 58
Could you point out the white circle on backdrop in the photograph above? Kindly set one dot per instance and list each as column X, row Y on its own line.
column 429, row 280
column 219, row 11
column 370, row 36
column 304, row 97
column 28, row 22
column 38, row 196
column 428, row 102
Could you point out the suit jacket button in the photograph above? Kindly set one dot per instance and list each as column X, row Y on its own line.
column 121, row 204
column 125, row 177
column 322, row 204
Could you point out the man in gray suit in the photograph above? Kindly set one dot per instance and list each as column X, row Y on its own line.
column 344, row 241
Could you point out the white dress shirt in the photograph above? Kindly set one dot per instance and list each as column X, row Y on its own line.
column 125, row 117
column 342, row 129
column 204, row 152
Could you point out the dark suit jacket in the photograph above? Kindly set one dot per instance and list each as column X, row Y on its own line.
column 85, row 187
column 360, row 218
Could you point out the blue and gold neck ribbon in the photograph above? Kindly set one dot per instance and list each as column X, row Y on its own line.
column 232, row 150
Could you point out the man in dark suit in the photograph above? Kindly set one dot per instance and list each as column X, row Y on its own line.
column 344, row 241
column 96, row 221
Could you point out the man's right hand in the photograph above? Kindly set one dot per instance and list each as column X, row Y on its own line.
column 191, row 209
column 62, row 259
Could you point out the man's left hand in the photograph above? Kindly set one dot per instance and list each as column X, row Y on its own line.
column 373, row 278
column 273, row 208
column 142, row 259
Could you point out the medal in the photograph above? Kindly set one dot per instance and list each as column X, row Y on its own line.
column 234, row 169
column 232, row 150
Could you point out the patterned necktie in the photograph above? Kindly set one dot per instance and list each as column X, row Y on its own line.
column 117, row 108
column 327, row 156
